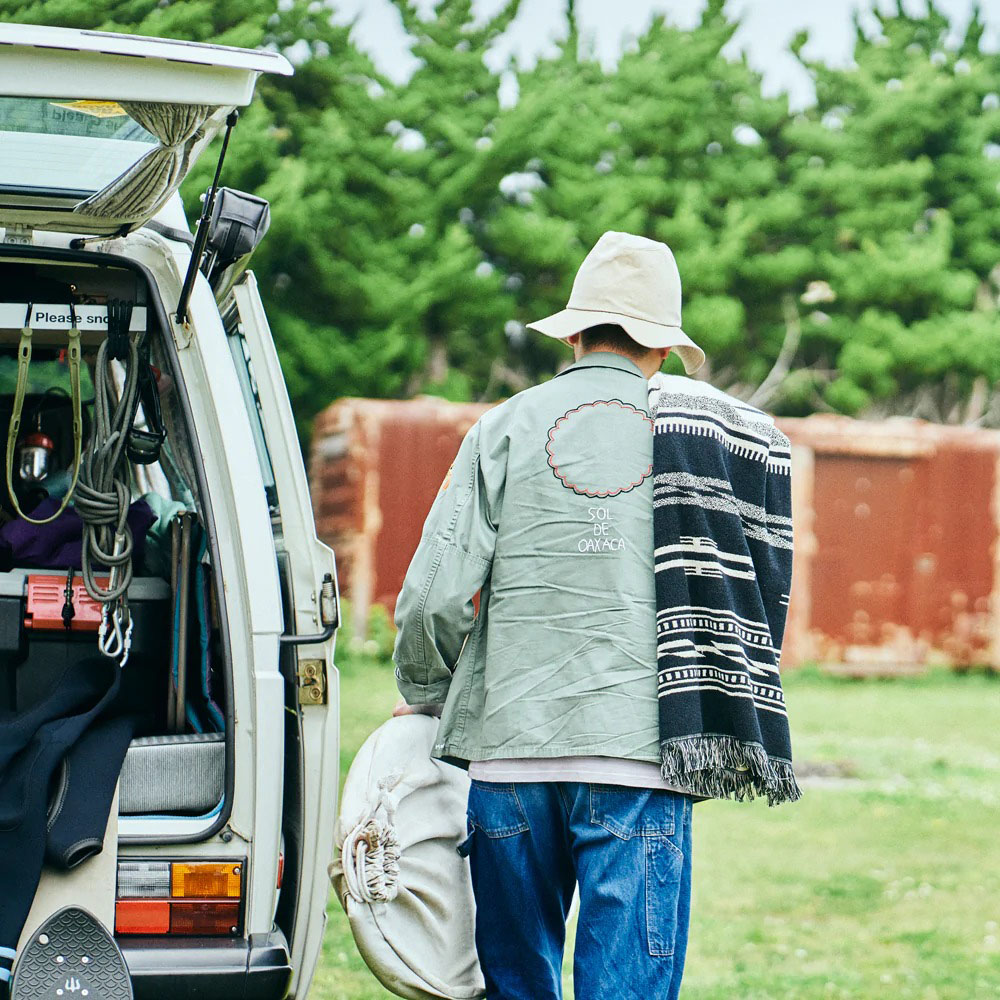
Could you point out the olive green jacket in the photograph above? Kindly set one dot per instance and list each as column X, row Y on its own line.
column 547, row 512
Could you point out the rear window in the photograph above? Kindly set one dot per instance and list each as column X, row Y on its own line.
column 44, row 377
column 66, row 147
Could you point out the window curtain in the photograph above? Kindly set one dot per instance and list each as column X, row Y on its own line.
column 147, row 184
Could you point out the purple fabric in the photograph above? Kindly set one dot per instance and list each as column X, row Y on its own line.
column 59, row 544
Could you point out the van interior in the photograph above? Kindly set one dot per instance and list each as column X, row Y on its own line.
column 104, row 499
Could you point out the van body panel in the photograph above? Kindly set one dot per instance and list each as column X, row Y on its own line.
column 269, row 563
column 308, row 559
column 268, row 747
column 250, row 579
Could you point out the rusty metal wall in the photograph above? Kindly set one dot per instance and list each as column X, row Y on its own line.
column 897, row 560
column 375, row 468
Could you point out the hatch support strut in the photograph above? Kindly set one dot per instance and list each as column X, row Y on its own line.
column 201, row 234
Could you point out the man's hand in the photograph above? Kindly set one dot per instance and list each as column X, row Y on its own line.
column 403, row 709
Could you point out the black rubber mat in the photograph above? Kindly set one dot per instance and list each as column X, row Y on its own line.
column 71, row 957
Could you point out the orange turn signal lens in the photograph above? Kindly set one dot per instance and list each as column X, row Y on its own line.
column 206, row 881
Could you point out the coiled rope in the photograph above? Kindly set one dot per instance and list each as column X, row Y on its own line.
column 370, row 855
column 104, row 493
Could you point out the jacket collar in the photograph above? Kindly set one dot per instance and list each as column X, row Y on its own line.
column 605, row 359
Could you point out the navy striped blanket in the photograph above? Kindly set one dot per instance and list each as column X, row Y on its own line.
column 722, row 530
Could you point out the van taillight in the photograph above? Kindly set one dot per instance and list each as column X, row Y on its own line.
column 179, row 897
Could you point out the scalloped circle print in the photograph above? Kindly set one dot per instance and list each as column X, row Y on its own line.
column 601, row 449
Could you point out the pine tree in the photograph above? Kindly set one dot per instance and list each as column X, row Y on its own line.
column 675, row 144
column 899, row 164
column 448, row 112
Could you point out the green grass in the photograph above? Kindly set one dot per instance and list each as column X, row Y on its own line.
column 882, row 882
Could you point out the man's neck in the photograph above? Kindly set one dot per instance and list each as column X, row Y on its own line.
column 648, row 365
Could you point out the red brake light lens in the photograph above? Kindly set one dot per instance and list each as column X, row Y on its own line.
column 141, row 916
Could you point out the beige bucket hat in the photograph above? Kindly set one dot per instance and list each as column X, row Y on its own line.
column 634, row 282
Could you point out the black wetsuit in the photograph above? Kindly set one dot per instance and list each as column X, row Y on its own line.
column 69, row 725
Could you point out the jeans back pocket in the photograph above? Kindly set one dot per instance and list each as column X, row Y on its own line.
column 495, row 809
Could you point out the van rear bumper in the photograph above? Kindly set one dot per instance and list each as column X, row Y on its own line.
column 254, row 968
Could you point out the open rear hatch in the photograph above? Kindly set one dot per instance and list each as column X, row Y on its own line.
column 98, row 130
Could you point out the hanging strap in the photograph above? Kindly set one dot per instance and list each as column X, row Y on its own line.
column 23, row 364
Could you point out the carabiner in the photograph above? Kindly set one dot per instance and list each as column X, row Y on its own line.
column 118, row 643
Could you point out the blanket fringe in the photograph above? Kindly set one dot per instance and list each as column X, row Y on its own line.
column 722, row 767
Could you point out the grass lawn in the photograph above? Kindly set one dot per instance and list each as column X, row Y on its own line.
column 882, row 882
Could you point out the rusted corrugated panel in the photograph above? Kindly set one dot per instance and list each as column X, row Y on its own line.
column 897, row 560
column 796, row 647
column 898, row 544
column 419, row 443
column 375, row 468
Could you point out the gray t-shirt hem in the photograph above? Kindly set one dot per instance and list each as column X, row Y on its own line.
column 588, row 770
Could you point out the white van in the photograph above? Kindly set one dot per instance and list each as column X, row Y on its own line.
column 227, row 796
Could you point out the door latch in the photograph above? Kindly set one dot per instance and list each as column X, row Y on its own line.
column 329, row 616
column 312, row 682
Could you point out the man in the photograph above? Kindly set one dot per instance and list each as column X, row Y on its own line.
column 549, row 694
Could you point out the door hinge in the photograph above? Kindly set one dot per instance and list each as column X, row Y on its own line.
column 312, row 682
column 19, row 234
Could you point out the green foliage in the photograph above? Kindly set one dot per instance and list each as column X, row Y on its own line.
column 370, row 650
column 418, row 226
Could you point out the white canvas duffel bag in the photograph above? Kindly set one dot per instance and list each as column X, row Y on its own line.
column 406, row 891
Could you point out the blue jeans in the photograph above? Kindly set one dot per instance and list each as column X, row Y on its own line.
column 629, row 849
